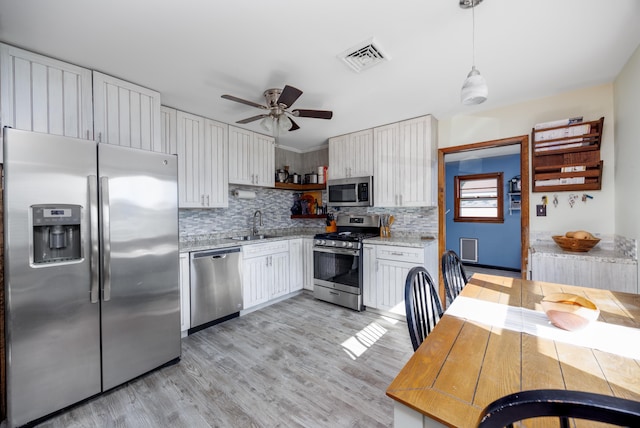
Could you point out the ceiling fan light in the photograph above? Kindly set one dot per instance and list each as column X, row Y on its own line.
column 474, row 88
column 284, row 123
column 267, row 124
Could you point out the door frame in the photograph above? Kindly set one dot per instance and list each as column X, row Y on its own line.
column 523, row 141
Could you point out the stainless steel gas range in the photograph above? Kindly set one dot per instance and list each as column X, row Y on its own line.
column 337, row 260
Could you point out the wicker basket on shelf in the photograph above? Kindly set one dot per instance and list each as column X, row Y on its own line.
column 575, row 244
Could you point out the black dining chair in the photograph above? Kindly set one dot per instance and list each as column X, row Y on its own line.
column 453, row 274
column 505, row 411
column 422, row 304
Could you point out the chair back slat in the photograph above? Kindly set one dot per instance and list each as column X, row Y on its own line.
column 455, row 278
column 422, row 305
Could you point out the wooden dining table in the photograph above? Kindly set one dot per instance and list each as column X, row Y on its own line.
column 498, row 341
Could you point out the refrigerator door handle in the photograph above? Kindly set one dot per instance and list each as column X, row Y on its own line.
column 94, row 238
column 106, row 239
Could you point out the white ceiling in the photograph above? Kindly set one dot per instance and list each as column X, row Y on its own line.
column 193, row 51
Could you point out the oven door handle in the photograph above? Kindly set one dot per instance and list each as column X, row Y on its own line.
column 332, row 250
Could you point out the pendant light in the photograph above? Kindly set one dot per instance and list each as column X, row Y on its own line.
column 474, row 88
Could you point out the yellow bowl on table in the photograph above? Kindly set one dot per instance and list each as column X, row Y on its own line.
column 569, row 311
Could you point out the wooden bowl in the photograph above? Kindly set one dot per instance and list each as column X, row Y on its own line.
column 569, row 311
column 574, row 244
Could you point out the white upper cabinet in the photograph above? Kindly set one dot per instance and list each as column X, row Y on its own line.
column 351, row 155
column 42, row 94
column 216, row 163
column 251, row 158
column 202, row 162
column 404, row 163
column 126, row 114
column 168, row 131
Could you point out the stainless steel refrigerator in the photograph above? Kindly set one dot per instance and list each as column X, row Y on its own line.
column 91, row 269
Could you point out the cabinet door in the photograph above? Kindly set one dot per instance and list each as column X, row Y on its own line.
column 338, row 157
column 360, row 155
column 263, row 163
column 256, row 281
column 296, row 254
column 369, row 296
column 41, row 94
column 279, row 267
column 390, row 279
column 185, row 290
column 126, row 114
column 386, row 147
column 414, row 163
column 240, row 143
column 168, row 131
column 190, row 142
column 216, row 165
column 307, row 244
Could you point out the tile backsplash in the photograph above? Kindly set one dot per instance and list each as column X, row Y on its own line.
column 275, row 206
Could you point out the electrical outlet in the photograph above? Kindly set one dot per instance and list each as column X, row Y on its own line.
column 541, row 210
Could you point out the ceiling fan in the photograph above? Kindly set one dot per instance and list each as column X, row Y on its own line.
column 278, row 102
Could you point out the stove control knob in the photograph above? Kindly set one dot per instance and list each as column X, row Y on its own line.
column 344, row 244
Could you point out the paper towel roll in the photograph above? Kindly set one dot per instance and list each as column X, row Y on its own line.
column 244, row 194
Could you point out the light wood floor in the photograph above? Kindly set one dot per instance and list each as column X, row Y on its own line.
column 297, row 363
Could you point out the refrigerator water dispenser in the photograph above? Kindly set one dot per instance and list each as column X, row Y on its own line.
column 56, row 233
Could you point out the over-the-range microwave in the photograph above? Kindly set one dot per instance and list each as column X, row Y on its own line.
column 350, row 192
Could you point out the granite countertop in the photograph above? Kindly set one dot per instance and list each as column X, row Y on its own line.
column 210, row 243
column 604, row 254
column 403, row 240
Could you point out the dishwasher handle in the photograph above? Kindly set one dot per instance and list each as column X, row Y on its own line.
column 215, row 254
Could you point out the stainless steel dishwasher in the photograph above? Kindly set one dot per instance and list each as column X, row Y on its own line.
column 216, row 286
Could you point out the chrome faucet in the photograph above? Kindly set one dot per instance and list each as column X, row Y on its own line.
column 255, row 228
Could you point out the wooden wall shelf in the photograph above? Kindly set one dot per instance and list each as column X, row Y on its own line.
column 567, row 158
column 300, row 187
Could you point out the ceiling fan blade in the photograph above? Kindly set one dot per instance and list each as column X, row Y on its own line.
column 294, row 125
column 289, row 95
column 251, row 119
column 317, row 114
column 240, row 100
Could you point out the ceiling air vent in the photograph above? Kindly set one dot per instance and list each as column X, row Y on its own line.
column 365, row 55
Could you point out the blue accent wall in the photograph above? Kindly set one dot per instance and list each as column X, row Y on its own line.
column 498, row 243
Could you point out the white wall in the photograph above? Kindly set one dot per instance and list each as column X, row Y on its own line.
column 627, row 127
column 597, row 214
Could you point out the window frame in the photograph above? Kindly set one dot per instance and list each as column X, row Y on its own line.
column 500, row 197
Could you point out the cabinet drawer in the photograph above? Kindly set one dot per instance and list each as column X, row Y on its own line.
column 264, row 249
column 401, row 254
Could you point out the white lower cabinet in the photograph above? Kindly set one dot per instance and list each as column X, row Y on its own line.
column 385, row 269
column 185, row 290
column 369, row 296
column 296, row 265
column 265, row 272
column 307, row 255
column 586, row 271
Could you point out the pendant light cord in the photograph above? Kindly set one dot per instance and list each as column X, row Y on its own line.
column 473, row 32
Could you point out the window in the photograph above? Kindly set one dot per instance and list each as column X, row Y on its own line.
column 478, row 198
